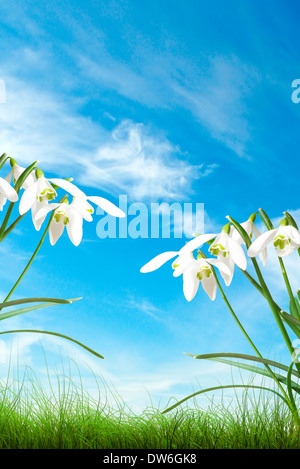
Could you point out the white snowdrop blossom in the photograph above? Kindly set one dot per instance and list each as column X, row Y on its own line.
column 36, row 196
column 225, row 248
column 7, row 192
column 65, row 215
column 285, row 239
column 192, row 270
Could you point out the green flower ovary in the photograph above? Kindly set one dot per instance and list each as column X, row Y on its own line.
column 60, row 217
column 281, row 242
column 204, row 271
column 47, row 194
column 218, row 250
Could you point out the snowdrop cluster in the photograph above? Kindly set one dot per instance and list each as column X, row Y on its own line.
column 39, row 194
column 227, row 247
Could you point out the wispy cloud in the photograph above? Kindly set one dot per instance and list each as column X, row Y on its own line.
column 144, row 165
column 132, row 158
column 215, row 92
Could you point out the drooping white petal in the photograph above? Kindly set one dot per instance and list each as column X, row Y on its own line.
column 210, row 286
column 34, row 210
column 230, row 264
column 8, row 191
column 55, row 231
column 83, row 207
column 293, row 234
column 196, row 242
column 44, row 209
column 182, row 262
column 261, row 242
column 28, row 198
column 107, row 206
column 190, row 282
column 74, row 227
column 158, row 261
column 237, row 253
column 220, row 265
column 69, row 187
column 264, row 253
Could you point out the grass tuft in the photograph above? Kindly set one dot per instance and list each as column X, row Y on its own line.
column 71, row 419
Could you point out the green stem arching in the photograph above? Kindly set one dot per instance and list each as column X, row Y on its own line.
column 29, row 263
column 246, row 335
column 265, row 291
column 273, row 306
column 12, row 226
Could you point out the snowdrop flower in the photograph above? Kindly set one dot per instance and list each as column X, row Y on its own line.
column 65, row 215
column 228, row 250
column 38, row 194
column 193, row 272
column 7, row 191
column 285, row 239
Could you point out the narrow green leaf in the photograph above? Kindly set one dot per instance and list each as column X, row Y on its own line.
column 244, row 357
column 17, row 312
column 36, row 300
column 290, row 318
column 222, row 387
column 58, row 335
column 292, row 306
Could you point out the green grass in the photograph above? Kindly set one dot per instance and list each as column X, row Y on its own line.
column 69, row 418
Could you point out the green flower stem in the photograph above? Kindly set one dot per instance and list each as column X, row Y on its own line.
column 273, row 307
column 247, row 336
column 253, row 281
column 12, row 226
column 261, row 290
column 29, row 263
column 288, row 287
column 5, row 221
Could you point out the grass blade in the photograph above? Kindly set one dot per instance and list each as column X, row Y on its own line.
column 17, row 312
column 244, row 357
column 37, row 300
column 215, row 388
column 57, row 335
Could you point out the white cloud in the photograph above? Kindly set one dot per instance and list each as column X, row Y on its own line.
column 131, row 159
column 142, row 165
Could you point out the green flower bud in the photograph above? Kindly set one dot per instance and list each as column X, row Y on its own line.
column 39, row 173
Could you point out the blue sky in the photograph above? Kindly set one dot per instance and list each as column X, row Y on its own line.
column 161, row 102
